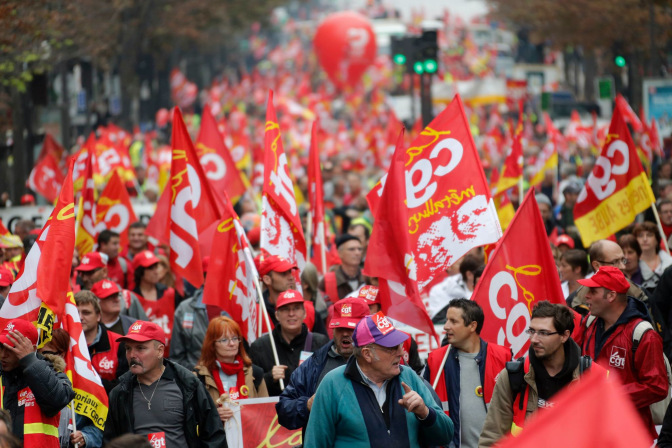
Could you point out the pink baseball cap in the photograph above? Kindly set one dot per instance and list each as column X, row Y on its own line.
column 377, row 329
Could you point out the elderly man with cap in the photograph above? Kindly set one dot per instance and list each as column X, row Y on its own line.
column 373, row 400
column 159, row 398
column 608, row 337
column 92, row 269
column 346, row 277
column 297, row 398
column 32, row 391
column 106, row 352
column 293, row 341
column 566, row 213
column 6, row 281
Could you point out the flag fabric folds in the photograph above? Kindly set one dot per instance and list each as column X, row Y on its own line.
column 520, row 272
column 281, row 230
column 316, row 204
column 114, row 210
column 616, row 190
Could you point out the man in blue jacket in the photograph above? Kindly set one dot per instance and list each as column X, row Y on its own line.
column 297, row 398
column 373, row 400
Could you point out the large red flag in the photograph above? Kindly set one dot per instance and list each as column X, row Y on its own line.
column 192, row 205
column 218, row 165
column 593, row 413
column 114, row 210
column 281, row 231
column 394, row 263
column 231, row 272
column 616, row 190
column 520, row 272
column 46, row 177
column 448, row 207
column 316, row 203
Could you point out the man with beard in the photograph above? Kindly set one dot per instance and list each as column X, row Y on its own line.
column 159, row 398
column 530, row 385
column 297, row 398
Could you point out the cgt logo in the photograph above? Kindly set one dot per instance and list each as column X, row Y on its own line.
column 136, row 327
column 383, row 324
column 617, row 357
column 346, row 311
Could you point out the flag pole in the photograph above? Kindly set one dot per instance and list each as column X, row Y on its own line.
column 443, row 363
column 520, row 191
column 323, row 248
column 264, row 313
column 71, row 406
column 309, row 239
column 660, row 227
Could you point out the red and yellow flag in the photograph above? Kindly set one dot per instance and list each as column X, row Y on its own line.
column 114, row 210
column 514, row 280
column 616, row 190
column 281, row 230
column 86, row 232
column 513, row 164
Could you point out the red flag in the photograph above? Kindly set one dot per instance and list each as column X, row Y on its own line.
column 316, row 204
column 513, row 164
column 216, row 159
column 3, row 229
column 394, row 263
column 114, row 210
column 655, row 138
column 629, row 115
column 192, row 205
column 514, row 279
column 448, row 207
column 231, row 272
column 281, row 231
column 86, row 233
column 616, row 190
column 46, row 177
column 597, row 413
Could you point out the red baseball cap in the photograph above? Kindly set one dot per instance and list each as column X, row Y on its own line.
column 608, row 277
column 254, row 235
column 206, row 264
column 92, row 261
column 146, row 258
column 349, row 311
column 105, row 288
column 143, row 331
column 275, row 263
column 24, row 327
column 564, row 239
column 6, row 277
column 287, row 297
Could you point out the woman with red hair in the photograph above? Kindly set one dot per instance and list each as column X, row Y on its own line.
column 225, row 368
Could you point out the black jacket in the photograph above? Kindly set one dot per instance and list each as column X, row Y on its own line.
column 52, row 390
column 289, row 355
column 202, row 425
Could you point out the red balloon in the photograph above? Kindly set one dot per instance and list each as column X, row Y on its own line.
column 345, row 46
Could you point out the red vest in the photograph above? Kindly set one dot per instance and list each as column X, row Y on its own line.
column 162, row 311
column 106, row 363
column 38, row 429
column 495, row 360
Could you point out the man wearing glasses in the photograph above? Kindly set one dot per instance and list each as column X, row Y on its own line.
column 373, row 400
column 530, row 385
column 604, row 253
column 608, row 340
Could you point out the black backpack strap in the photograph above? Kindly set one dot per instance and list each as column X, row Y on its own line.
column 516, row 371
column 584, row 363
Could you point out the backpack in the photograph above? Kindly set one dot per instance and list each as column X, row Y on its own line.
column 516, row 371
column 659, row 408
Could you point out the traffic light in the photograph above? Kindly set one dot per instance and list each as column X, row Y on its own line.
column 618, row 51
column 619, row 60
column 428, row 51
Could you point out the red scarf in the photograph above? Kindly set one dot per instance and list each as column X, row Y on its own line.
column 235, row 368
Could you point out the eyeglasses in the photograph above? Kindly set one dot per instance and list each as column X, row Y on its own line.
column 540, row 333
column 391, row 350
column 614, row 262
column 225, row 341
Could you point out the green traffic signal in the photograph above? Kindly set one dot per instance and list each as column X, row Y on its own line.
column 419, row 68
column 399, row 59
column 430, row 66
column 619, row 61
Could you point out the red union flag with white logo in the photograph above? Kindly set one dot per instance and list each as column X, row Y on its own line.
column 281, row 231
column 46, row 177
column 86, row 232
column 616, row 190
column 42, row 296
column 520, row 272
column 231, row 273
column 216, row 160
column 192, row 205
column 114, row 210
